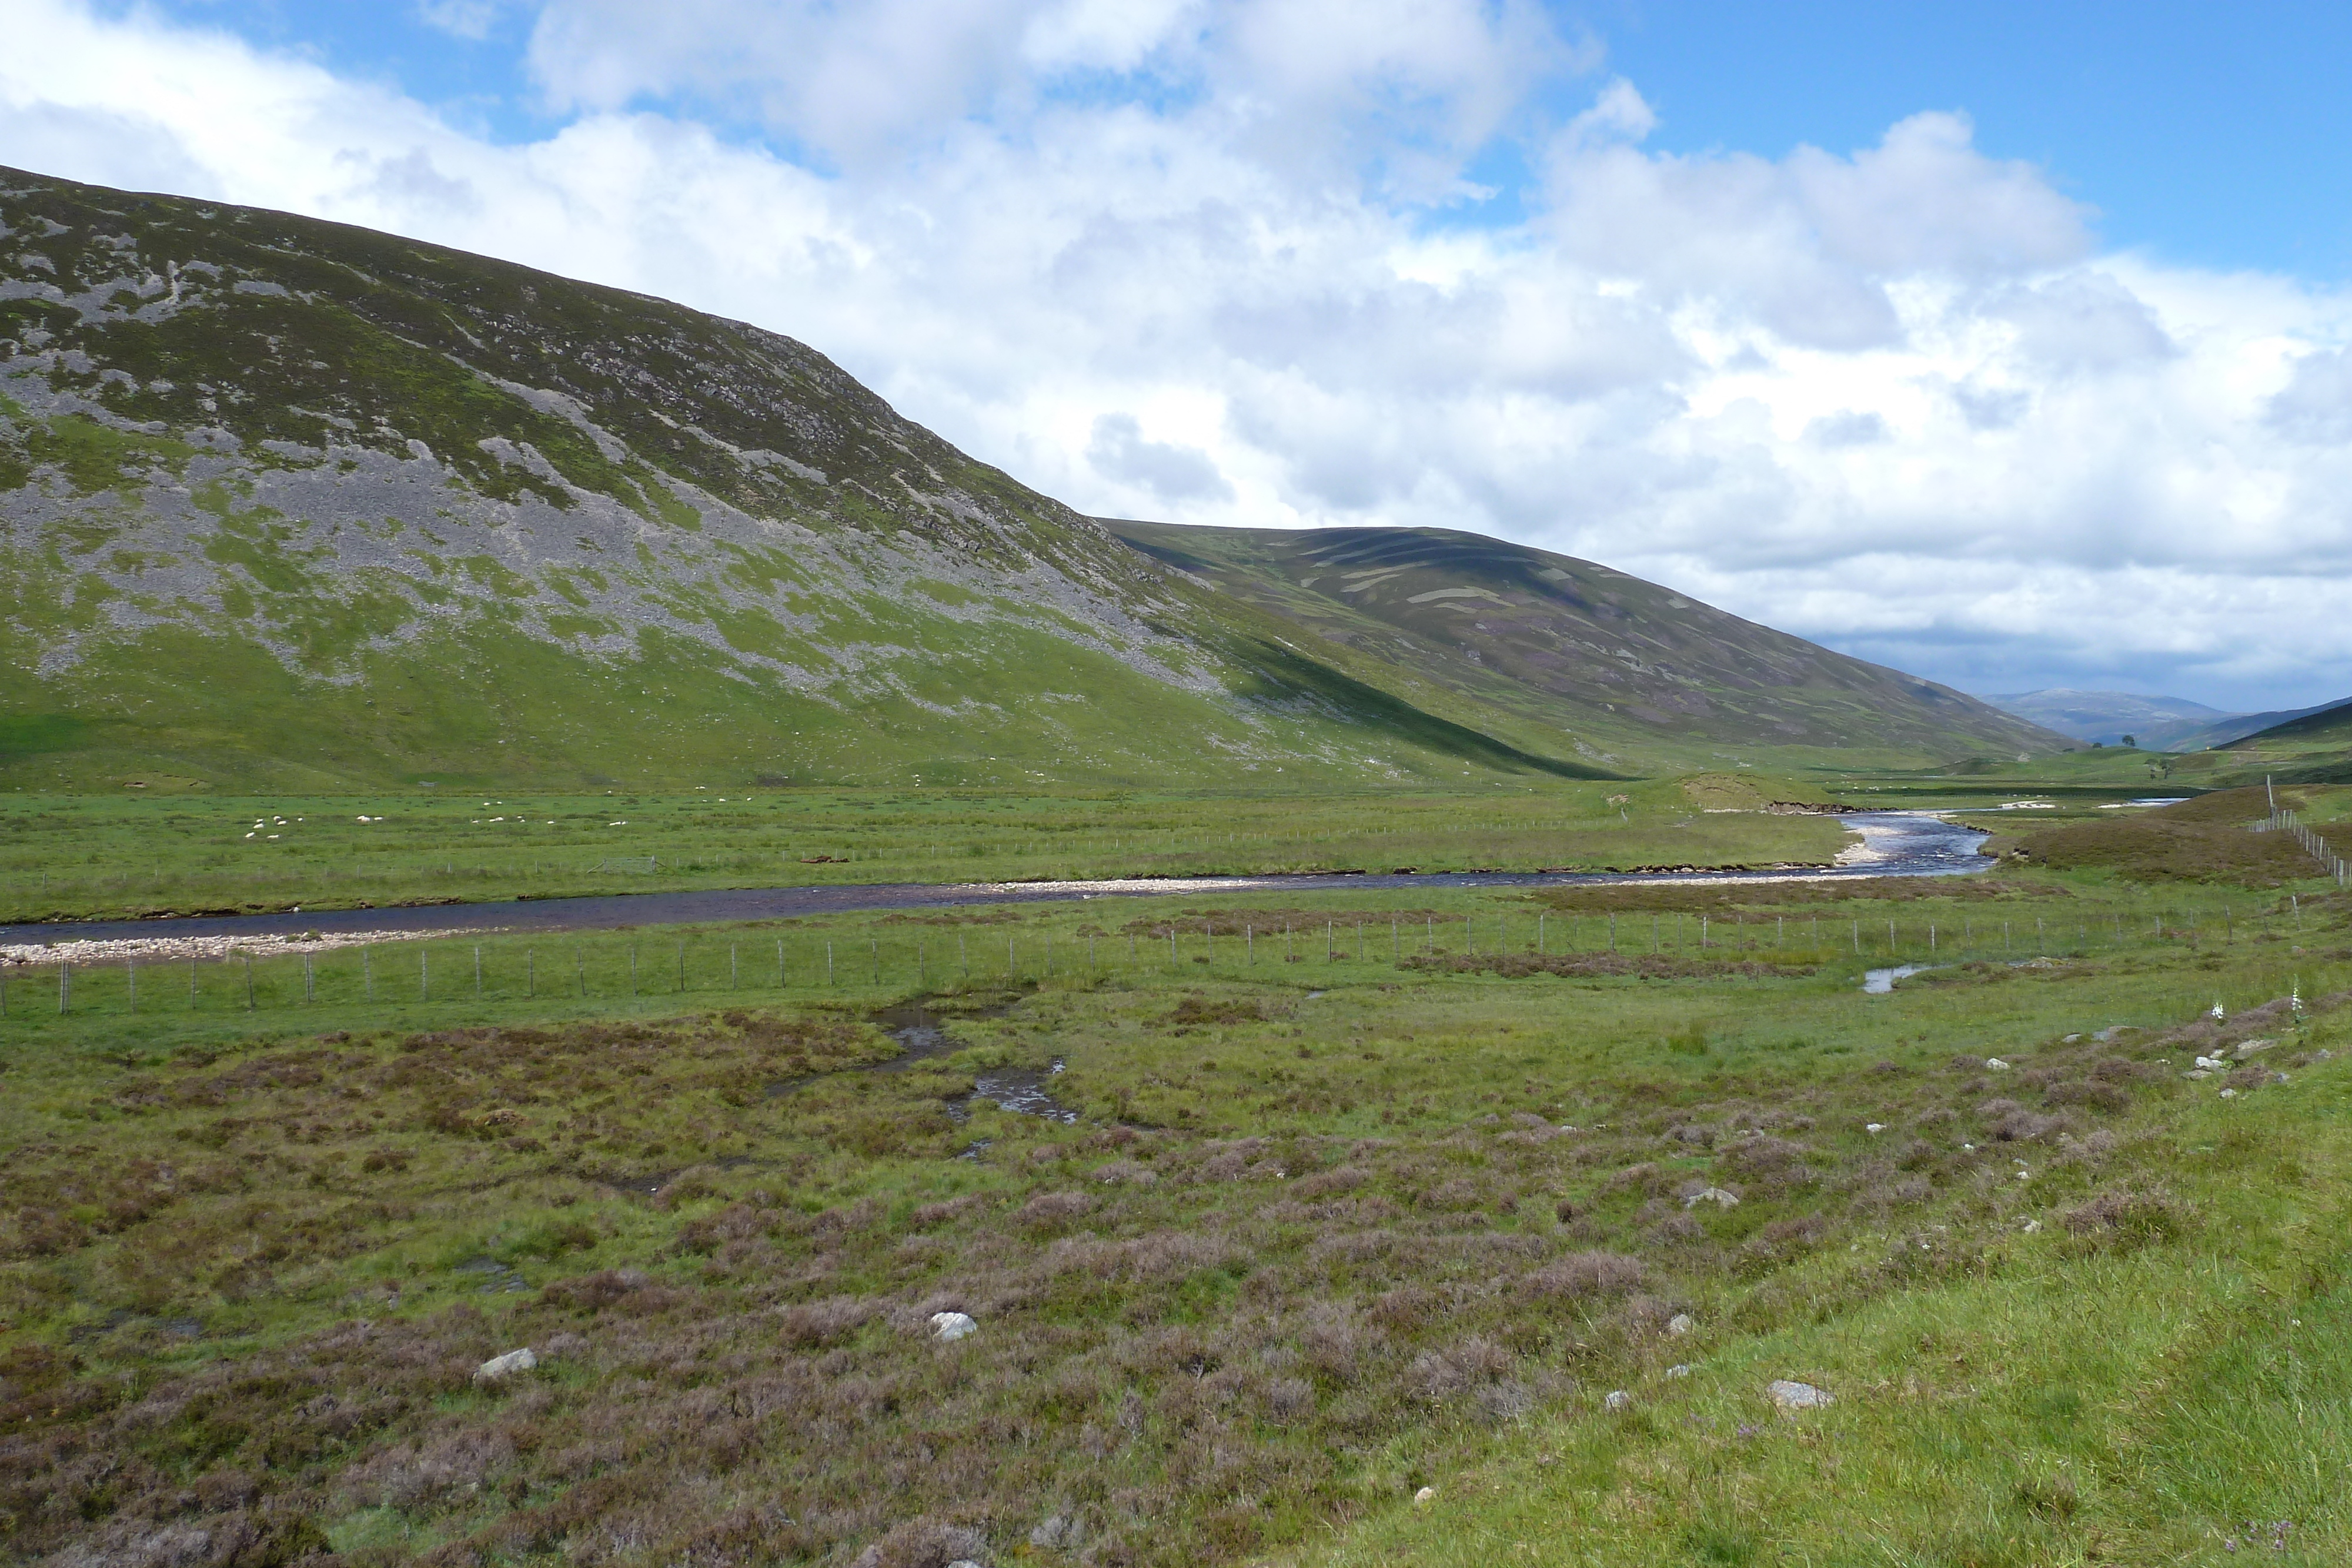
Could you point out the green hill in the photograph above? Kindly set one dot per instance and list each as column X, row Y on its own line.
column 1625, row 669
column 286, row 504
column 2314, row 746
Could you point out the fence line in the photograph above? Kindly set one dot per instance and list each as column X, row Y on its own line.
column 506, row 973
column 2285, row 820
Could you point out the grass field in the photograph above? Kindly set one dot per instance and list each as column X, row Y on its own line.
column 82, row 856
column 1341, row 1215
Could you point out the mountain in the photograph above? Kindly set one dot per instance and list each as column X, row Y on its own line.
column 287, row 504
column 1614, row 664
column 2312, row 747
column 2157, row 723
column 2243, row 726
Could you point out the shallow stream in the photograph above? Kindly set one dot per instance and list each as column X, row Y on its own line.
column 1894, row 844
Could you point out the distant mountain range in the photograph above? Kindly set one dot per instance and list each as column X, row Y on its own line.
column 2105, row 717
column 2155, row 724
column 287, row 504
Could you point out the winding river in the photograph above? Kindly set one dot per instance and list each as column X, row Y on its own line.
column 1894, row 843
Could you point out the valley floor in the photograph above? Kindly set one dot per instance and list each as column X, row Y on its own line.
column 95, row 857
column 1270, row 1213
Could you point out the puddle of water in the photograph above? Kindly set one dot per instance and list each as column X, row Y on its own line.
column 922, row 1035
column 1879, row 982
column 1019, row 1090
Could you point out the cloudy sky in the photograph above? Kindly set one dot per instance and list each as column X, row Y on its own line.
column 2017, row 353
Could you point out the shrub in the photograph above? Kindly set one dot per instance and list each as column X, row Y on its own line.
column 1586, row 1274
column 2124, row 1218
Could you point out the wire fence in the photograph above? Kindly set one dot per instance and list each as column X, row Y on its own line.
column 622, row 970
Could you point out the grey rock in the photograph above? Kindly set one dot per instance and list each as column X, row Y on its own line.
column 953, row 1326
column 1681, row 1323
column 1618, row 1400
column 502, row 1367
column 1789, row 1395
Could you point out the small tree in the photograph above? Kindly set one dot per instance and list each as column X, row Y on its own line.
column 2132, row 741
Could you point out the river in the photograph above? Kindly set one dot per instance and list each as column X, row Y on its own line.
column 1894, row 844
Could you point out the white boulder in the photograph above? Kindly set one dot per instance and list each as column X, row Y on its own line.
column 1681, row 1323
column 500, row 1366
column 953, row 1326
column 1618, row 1400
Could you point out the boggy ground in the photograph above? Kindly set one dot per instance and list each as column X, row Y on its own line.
column 1319, row 1238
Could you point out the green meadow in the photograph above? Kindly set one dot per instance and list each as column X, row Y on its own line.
column 1428, row 1226
column 78, row 857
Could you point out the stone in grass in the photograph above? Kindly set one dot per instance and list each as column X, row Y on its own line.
column 1790, row 1397
column 1680, row 1369
column 1618, row 1400
column 1714, row 1195
column 953, row 1326
column 1996, row 1064
column 1425, row 1495
column 1681, row 1322
column 502, row 1367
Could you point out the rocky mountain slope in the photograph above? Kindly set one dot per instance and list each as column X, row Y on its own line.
column 286, row 503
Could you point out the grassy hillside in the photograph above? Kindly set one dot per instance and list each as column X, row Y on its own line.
column 1623, row 668
column 2234, row 732
column 294, row 505
column 1524, row 1201
column 289, row 505
column 2314, row 747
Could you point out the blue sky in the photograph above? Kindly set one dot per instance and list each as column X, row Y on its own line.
column 2006, row 344
column 2210, row 135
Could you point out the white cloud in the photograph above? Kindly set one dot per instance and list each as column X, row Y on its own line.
column 1172, row 473
column 2315, row 405
column 1193, row 258
column 469, row 19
